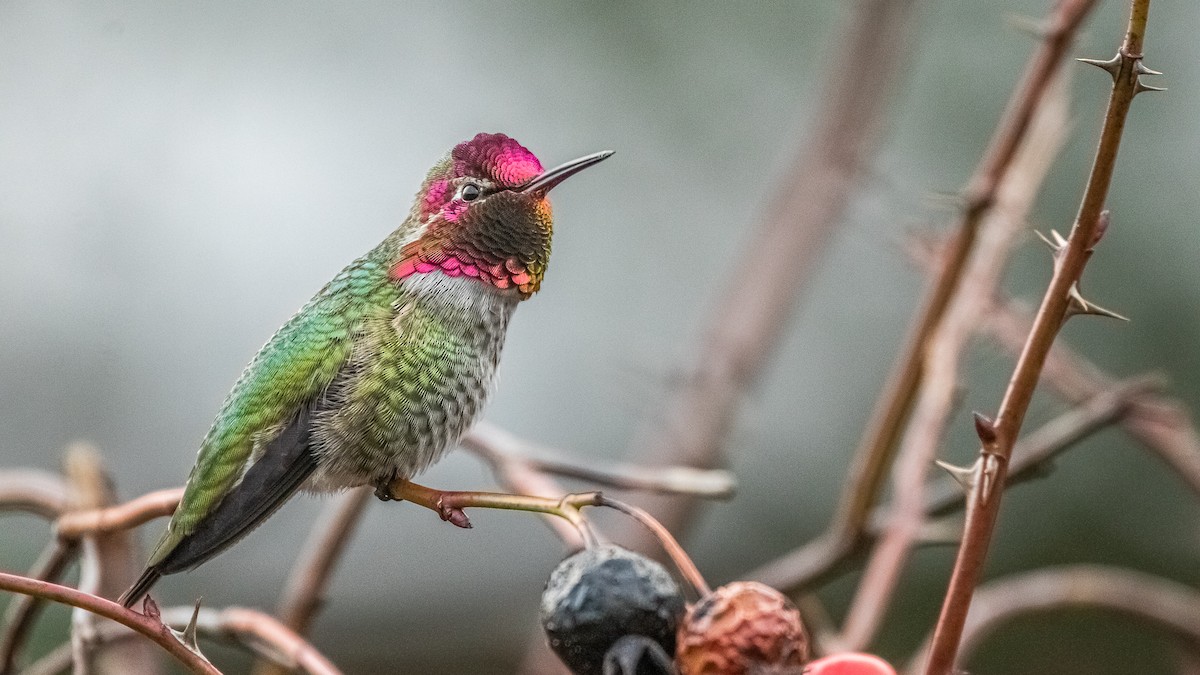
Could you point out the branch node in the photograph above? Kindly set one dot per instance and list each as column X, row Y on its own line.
column 1102, row 223
column 989, row 473
column 985, row 428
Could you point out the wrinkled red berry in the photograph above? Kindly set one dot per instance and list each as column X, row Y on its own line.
column 740, row 629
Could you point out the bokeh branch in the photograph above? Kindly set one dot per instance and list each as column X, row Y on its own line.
column 800, row 571
column 1166, row 604
column 887, row 421
column 744, row 329
column 309, row 580
column 996, row 233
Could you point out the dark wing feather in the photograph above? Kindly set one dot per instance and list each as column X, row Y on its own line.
column 283, row 466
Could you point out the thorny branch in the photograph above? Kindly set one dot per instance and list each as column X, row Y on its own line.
column 996, row 234
column 744, row 329
column 307, row 584
column 800, row 572
column 148, row 626
column 998, row 438
column 874, row 453
column 23, row 610
column 250, row 629
column 1160, row 423
column 108, row 565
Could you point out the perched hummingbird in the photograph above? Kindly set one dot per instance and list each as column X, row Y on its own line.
column 387, row 365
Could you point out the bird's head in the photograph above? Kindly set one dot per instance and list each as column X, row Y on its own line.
column 483, row 213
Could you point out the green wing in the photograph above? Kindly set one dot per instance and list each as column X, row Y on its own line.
column 289, row 372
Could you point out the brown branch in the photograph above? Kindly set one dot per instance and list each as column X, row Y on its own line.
column 997, row 233
column 518, row 477
column 1166, row 604
column 1160, row 423
column 798, row 571
column 496, row 446
column 886, row 423
column 309, row 580
column 745, row 328
column 124, row 516
column 998, row 439
column 150, row 627
column 23, row 609
column 683, row 562
column 1036, row 450
column 259, row 633
column 107, row 567
column 252, row 626
column 34, row 491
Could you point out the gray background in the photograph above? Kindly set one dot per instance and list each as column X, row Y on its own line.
column 175, row 179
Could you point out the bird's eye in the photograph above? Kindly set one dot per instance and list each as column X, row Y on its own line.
column 471, row 192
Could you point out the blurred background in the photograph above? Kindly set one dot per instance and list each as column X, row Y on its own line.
column 176, row 179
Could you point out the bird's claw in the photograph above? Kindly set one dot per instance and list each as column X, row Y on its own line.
column 383, row 491
column 453, row 515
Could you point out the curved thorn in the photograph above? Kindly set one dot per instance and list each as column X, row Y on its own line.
column 1143, row 70
column 189, row 631
column 964, row 476
column 1142, row 86
column 1078, row 305
column 1111, row 66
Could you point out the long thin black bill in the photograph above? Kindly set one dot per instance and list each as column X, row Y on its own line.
column 548, row 179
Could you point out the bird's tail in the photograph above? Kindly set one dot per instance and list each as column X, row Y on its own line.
column 140, row 587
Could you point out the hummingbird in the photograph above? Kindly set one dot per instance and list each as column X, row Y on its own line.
column 387, row 365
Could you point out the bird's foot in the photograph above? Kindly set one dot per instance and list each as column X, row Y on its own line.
column 383, row 491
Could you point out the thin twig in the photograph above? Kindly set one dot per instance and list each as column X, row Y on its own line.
column 252, row 630
column 108, row 565
column 683, row 562
column 997, row 232
column 33, row 491
column 23, row 609
column 1163, row 603
column 150, row 627
column 253, row 626
column 745, row 328
column 1036, row 450
column 998, row 438
column 797, row 571
column 449, row 504
column 124, row 516
column 1161, row 423
column 306, row 587
column 886, row 423
column 496, row 445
